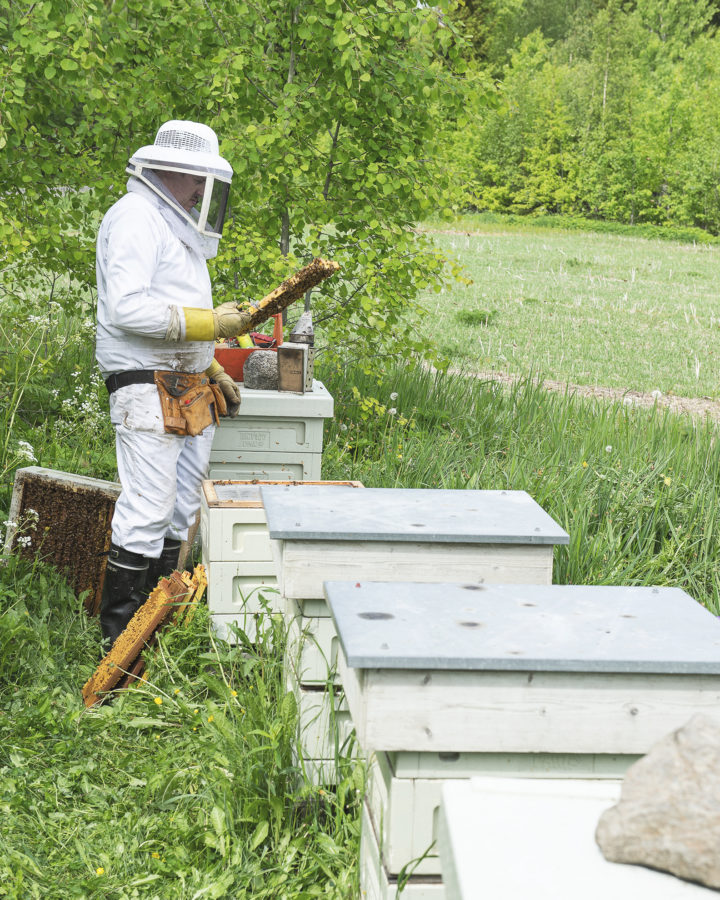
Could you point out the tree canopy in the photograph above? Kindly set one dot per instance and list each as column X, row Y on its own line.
column 616, row 119
column 330, row 112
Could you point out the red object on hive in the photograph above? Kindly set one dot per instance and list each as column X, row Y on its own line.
column 232, row 359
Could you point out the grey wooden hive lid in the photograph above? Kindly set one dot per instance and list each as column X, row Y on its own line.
column 398, row 514
column 551, row 628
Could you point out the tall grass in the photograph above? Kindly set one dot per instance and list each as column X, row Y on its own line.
column 185, row 787
column 637, row 490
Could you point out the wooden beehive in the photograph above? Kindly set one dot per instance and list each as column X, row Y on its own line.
column 448, row 681
column 67, row 518
column 488, row 824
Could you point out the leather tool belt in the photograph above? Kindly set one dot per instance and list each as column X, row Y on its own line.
column 190, row 402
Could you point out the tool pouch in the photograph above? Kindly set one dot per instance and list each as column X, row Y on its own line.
column 189, row 402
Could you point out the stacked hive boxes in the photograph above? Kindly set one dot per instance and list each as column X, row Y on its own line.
column 321, row 535
column 275, row 436
column 555, row 681
column 237, row 556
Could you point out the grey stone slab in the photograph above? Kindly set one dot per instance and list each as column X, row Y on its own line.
column 563, row 628
column 397, row 514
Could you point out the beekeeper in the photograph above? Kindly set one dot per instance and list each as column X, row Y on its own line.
column 156, row 328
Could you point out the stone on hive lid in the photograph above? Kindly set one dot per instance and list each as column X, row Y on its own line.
column 260, row 371
column 667, row 817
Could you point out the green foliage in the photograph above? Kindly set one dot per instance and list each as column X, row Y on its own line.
column 611, row 116
column 329, row 112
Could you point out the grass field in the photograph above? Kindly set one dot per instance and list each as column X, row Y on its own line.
column 587, row 308
column 186, row 788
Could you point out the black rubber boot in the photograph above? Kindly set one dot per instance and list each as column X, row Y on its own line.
column 165, row 564
column 123, row 592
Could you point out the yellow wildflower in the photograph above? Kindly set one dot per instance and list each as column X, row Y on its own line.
column 211, row 718
column 584, row 464
column 667, row 481
column 177, row 691
column 234, row 693
column 158, row 700
column 99, row 870
column 155, row 854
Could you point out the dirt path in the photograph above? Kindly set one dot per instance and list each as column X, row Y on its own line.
column 698, row 407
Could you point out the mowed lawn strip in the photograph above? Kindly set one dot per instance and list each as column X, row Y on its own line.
column 590, row 309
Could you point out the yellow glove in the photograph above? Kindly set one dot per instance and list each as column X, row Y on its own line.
column 225, row 321
column 230, row 390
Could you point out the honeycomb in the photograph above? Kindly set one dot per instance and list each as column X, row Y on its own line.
column 290, row 290
column 72, row 530
column 174, row 601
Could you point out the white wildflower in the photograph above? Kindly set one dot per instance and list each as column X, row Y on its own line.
column 24, row 540
column 26, row 451
column 342, row 426
column 392, row 411
column 608, row 449
column 394, row 395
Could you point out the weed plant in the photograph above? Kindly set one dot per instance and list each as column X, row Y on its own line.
column 53, row 404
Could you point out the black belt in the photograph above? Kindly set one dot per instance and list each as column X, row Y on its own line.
column 123, row 379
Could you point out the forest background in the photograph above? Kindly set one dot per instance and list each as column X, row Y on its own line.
column 349, row 122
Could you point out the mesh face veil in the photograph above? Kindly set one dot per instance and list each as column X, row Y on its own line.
column 188, row 148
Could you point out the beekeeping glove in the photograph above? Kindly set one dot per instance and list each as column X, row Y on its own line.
column 230, row 390
column 225, row 321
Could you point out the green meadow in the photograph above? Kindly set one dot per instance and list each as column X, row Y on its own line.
column 186, row 786
column 589, row 308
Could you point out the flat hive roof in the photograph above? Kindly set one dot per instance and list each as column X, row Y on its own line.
column 550, row 628
column 323, row 513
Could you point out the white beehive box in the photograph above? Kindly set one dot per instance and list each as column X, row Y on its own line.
column 393, row 534
column 275, row 435
column 536, row 839
column 513, row 669
column 396, row 534
column 236, row 552
column 376, row 883
column 579, row 680
column 404, row 793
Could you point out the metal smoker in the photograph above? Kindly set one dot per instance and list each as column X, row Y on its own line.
column 304, row 333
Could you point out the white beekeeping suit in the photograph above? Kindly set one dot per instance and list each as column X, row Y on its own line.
column 155, row 313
